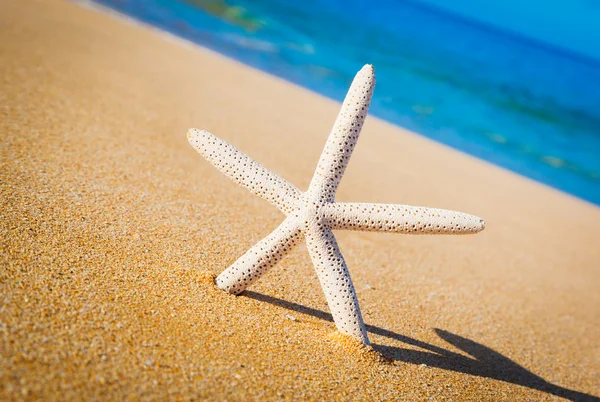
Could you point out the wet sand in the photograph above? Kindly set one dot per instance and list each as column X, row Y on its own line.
column 112, row 228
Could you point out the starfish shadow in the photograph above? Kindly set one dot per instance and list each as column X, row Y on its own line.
column 482, row 361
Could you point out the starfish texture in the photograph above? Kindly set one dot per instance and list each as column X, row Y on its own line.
column 314, row 213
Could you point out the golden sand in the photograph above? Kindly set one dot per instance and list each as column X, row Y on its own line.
column 112, row 228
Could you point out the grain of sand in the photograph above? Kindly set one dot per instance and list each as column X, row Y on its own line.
column 112, row 228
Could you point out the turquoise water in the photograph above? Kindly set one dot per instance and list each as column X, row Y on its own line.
column 516, row 103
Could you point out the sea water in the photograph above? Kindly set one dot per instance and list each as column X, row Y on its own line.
column 519, row 104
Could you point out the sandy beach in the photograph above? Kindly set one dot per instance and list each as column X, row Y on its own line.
column 112, row 228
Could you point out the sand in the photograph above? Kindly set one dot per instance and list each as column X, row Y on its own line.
column 112, row 227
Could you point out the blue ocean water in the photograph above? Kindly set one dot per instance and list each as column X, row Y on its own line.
column 519, row 104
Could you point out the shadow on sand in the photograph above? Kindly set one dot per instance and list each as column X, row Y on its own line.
column 484, row 362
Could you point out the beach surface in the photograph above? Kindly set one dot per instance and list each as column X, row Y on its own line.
column 112, row 228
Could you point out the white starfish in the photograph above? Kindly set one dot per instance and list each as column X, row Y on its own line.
column 315, row 213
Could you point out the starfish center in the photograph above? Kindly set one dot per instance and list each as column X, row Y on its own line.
column 309, row 214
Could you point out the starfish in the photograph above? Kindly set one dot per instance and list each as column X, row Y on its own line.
column 315, row 213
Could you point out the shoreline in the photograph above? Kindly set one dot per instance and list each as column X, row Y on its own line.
column 112, row 222
column 547, row 166
column 179, row 40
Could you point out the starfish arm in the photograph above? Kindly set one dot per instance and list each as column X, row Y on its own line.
column 336, row 283
column 245, row 171
column 401, row 219
column 260, row 258
column 343, row 136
